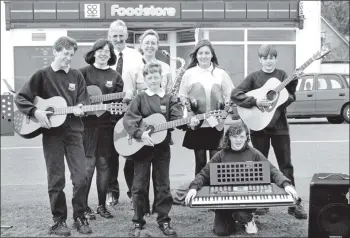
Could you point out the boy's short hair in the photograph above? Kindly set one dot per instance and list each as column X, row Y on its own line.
column 265, row 50
column 152, row 68
column 235, row 128
column 65, row 42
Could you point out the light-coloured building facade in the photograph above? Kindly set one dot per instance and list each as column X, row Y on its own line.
column 236, row 29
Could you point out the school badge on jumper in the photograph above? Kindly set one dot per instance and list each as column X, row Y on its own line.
column 163, row 108
column 109, row 84
column 71, row 87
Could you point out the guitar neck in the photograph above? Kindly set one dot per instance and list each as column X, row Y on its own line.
column 107, row 97
column 291, row 77
column 179, row 122
column 86, row 108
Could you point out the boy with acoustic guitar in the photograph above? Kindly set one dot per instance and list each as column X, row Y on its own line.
column 59, row 79
column 278, row 130
column 151, row 101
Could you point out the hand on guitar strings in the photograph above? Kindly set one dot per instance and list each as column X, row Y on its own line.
column 291, row 191
column 41, row 116
column 78, row 110
column 194, row 122
column 298, row 74
column 146, row 139
column 263, row 102
column 190, row 195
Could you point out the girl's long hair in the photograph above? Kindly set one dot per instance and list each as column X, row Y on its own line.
column 100, row 44
column 193, row 54
column 236, row 128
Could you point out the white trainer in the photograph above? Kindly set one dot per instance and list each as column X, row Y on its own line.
column 250, row 227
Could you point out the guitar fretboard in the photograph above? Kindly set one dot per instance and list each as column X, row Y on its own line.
column 86, row 108
column 290, row 78
column 106, row 97
column 175, row 123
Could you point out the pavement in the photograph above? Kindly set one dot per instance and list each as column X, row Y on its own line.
column 317, row 146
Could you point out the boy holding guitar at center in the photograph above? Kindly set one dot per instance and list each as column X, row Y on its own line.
column 278, row 130
column 59, row 79
column 151, row 101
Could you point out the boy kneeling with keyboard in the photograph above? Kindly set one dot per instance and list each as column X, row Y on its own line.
column 235, row 148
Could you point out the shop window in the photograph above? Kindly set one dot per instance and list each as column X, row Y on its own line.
column 271, row 35
column 185, row 36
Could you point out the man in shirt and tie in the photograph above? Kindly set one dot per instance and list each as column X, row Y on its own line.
column 127, row 61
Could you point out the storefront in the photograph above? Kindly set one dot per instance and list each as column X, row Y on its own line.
column 236, row 29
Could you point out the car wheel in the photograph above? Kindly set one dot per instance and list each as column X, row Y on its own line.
column 335, row 120
column 346, row 113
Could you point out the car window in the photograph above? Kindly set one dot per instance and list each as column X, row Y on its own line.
column 327, row 82
column 305, row 84
column 347, row 79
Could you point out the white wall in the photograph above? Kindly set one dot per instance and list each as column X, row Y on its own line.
column 335, row 68
column 308, row 39
column 6, row 53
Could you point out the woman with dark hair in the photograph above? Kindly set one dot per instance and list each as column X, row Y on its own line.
column 98, row 133
column 235, row 148
column 208, row 84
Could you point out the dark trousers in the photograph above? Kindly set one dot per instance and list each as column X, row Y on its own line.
column 224, row 220
column 159, row 157
column 113, row 184
column 281, row 146
column 201, row 158
column 129, row 177
column 102, row 170
column 67, row 144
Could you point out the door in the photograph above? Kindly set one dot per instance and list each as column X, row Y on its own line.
column 331, row 94
column 304, row 104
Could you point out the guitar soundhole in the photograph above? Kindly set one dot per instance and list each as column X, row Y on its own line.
column 150, row 127
column 271, row 95
column 50, row 109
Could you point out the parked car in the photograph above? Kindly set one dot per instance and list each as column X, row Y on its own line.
column 322, row 95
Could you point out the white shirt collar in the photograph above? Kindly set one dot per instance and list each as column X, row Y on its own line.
column 55, row 69
column 161, row 93
column 98, row 67
column 208, row 69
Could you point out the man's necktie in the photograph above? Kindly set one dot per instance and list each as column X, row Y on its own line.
column 120, row 64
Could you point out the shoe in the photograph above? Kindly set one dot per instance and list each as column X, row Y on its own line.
column 59, row 228
column 297, row 211
column 261, row 211
column 82, row 225
column 102, row 210
column 250, row 227
column 111, row 200
column 136, row 230
column 167, row 230
column 90, row 214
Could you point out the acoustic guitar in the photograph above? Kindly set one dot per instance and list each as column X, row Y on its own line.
column 126, row 145
column 96, row 97
column 29, row 127
column 257, row 118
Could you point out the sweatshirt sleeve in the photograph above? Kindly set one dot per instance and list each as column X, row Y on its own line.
column 132, row 118
column 25, row 97
column 203, row 177
column 291, row 88
column 276, row 175
column 238, row 94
